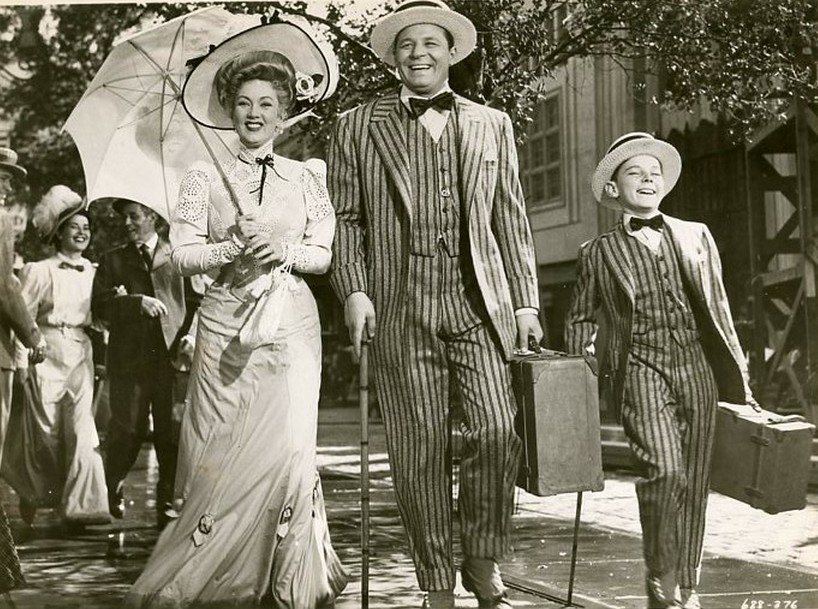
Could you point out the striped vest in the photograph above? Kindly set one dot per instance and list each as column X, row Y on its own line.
column 433, row 168
column 663, row 315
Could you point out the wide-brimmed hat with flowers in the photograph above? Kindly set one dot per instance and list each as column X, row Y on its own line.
column 628, row 146
column 315, row 64
column 56, row 206
column 414, row 12
column 8, row 160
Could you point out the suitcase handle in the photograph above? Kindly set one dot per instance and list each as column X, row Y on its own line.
column 779, row 419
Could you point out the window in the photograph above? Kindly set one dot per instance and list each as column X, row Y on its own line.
column 541, row 156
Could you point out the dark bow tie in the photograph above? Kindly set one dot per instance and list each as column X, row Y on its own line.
column 68, row 265
column 656, row 222
column 441, row 101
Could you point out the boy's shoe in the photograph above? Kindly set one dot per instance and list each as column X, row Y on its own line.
column 690, row 600
column 662, row 591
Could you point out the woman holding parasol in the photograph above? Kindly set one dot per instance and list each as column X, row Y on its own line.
column 251, row 526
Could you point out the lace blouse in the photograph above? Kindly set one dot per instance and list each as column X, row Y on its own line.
column 293, row 206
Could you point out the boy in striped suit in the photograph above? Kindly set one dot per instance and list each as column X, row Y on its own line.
column 654, row 284
column 433, row 243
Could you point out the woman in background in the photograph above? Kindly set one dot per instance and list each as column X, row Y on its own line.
column 56, row 461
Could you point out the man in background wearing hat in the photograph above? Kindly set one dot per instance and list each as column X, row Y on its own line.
column 433, row 247
column 141, row 298
column 654, row 284
column 14, row 320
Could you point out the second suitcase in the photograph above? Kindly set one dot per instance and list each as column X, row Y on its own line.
column 761, row 458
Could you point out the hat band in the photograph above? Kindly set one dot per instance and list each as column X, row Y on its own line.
column 418, row 4
column 625, row 140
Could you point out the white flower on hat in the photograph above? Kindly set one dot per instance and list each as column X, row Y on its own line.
column 55, row 206
column 305, row 87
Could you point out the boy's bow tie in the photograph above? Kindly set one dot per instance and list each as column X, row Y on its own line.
column 441, row 101
column 656, row 222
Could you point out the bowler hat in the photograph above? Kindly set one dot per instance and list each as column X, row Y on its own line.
column 8, row 160
column 414, row 12
column 628, row 146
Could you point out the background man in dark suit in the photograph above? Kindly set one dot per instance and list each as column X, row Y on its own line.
column 433, row 243
column 142, row 300
column 654, row 283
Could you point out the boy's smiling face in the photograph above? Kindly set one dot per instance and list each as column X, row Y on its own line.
column 638, row 185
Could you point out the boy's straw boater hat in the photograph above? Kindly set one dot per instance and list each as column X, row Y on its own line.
column 315, row 64
column 629, row 146
column 414, row 12
column 8, row 160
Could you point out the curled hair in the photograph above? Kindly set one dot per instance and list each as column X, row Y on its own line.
column 269, row 66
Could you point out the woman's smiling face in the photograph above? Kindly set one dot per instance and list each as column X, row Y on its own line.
column 256, row 112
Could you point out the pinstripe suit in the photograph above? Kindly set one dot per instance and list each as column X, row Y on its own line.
column 666, row 397
column 425, row 345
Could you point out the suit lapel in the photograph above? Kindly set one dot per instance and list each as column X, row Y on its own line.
column 471, row 140
column 390, row 141
column 617, row 257
column 689, row 252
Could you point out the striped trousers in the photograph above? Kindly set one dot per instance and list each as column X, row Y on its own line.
column 668, row 412
column 448, row 347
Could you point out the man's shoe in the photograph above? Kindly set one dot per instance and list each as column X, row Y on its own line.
column 438, row 599
column 116, row 502
column 28, row 510
column 690, row 600
column 662, row 591
column 481, row 577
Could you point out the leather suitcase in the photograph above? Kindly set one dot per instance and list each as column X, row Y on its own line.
column 761, row 458
column 558, row 421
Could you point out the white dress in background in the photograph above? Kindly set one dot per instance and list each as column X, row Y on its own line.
column 66, row 470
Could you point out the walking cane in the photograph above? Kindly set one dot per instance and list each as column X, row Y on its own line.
column 363, row 387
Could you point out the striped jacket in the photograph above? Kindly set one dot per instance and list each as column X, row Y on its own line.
column 369, row 185
column 602, row 307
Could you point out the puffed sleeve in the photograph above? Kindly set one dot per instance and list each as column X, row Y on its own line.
column 192, row 253
column 314, row 252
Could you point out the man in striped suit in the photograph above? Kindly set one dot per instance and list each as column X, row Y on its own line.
column 653, row 285
column 433, row 246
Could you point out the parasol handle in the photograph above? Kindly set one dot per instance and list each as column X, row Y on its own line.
column 234, row 199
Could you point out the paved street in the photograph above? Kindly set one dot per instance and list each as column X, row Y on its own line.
column 753, row 560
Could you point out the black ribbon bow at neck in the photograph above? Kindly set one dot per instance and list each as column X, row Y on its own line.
column 656, row 222
column 266, row 162
column 441, row 101
column 68, row 265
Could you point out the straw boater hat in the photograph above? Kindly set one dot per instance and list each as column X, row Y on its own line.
column 414, row 12
column 8, row 160
column 54, row 208
column 629, row 146
column 316, row 71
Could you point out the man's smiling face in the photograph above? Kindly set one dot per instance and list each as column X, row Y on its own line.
column 639, row 185
column 423, row 54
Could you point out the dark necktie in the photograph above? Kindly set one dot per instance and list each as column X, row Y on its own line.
column 441, row 101
column 145, row 252
column 266, row 162
column 68, row 265
column 656, row 222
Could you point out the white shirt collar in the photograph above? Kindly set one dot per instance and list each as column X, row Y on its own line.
column 152, row 241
